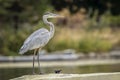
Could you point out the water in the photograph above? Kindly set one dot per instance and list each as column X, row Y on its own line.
column 8, row 73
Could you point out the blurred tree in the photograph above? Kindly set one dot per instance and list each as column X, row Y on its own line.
column 89, row 5
column 14, row 12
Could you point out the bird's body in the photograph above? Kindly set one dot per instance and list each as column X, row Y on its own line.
column 36, row 40
column 39, row 38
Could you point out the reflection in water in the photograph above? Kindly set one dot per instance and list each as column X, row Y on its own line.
column 8, row 73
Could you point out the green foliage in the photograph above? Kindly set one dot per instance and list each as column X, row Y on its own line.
column 11, row 41
column 53, row 45
column 87, row 45
column 16, row 12
column 103, row 45
column 110, row 20
column 117, row 44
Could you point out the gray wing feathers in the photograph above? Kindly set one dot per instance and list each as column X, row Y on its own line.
column 39, row 32
column 36, row 40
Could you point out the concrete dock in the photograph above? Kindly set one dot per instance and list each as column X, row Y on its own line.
column 92, row 76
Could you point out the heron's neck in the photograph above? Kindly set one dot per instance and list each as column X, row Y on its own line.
column 51, row 26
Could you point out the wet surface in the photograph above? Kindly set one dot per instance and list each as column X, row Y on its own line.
column 8, row 73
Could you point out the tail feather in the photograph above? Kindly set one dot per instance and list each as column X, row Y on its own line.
column 22, row 50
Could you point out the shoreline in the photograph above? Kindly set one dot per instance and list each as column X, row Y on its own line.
column 88, row 62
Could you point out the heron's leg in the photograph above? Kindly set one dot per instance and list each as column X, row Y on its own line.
column 34, row 61
column 39, row 61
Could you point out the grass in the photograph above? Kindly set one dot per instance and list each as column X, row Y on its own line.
column 83, row 41
column 65, row 38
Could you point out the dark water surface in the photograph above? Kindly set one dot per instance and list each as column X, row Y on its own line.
column 8, row 73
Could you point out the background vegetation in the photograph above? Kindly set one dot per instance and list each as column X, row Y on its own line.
column 88, row 26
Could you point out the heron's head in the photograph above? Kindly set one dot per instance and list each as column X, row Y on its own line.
column 51, row 15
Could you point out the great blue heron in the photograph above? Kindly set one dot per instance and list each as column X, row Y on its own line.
column 39, row 38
